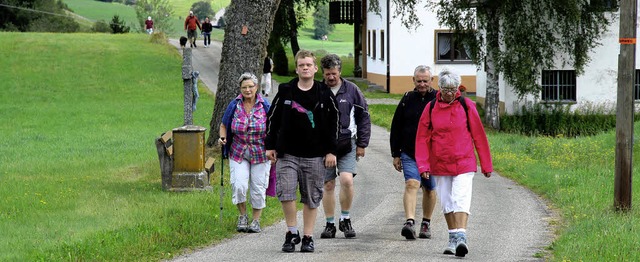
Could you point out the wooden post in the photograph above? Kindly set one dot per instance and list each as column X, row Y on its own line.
column 187, row 69
column 625, row 106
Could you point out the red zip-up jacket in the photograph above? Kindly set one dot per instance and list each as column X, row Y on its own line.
column 192, row 23
column 447, row 148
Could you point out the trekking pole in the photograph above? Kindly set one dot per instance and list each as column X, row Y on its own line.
column 221, row 181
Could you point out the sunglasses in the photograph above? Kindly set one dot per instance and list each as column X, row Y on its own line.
column 422, row 81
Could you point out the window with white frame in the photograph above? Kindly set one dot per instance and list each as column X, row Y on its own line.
column 369, row 42
column 448, row 51
column 373, row 41
column 382, row 45
column 604, row 5
column 559, row 85
column 636, row 85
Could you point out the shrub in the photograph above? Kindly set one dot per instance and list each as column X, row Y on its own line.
column 560, row 121
column 118, row 26
column 158, row 38
column 101, row 26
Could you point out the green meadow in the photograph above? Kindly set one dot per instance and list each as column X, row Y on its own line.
column 81, row 179
column 96, row 10
column 340, row 41
column 80, row 172
column 576, row 178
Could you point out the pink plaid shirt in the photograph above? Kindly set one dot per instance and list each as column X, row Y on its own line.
column 249, row 132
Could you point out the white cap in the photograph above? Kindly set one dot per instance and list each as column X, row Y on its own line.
column 149, row 18
column 190, row 12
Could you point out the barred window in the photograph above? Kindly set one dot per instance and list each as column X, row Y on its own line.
column 559, row 85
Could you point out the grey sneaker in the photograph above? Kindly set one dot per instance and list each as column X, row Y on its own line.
column 425, row 230
column 461, row 245
column 408, row 231
column 243, row 223
column 254, row 227
column 451, row 248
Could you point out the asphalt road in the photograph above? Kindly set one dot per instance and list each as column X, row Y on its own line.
column 507, row 222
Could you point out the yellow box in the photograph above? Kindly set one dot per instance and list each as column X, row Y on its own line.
column 188, row 149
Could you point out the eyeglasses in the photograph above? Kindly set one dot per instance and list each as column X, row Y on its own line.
column 247, row 87
column 448, row 90
column 422, row 81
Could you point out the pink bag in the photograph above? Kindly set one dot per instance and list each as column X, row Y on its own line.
column 271, row 189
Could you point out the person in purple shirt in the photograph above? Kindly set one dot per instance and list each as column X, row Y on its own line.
column 242, row 132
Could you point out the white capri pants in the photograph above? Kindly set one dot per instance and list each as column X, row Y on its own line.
column 266, row 83
column 455, row 192
column 245, row 174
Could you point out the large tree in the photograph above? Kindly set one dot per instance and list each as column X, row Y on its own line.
column 291, row 16
column 247, row 30
column 518, row 38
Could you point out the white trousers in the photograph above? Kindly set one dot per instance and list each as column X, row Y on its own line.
column 455, row 192
column 245, row 175
column 266, row 83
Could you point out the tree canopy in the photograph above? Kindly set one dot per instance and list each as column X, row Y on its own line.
column 159, row 10
column 516, row 38
column 532, row 34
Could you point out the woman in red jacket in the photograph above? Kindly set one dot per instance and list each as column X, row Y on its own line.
column 445, row 142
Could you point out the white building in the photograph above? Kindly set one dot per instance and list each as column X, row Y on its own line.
column 391, row 52
column 598, row 84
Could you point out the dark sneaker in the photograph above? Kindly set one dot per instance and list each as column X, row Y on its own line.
column 345, row 226
column 254, row 227
column 451, row 248
column 290, row 241
column 329, row 231
column 425, row 230
column 461, row 245
column 408, row 231
column 307, row 244
column 243, row 223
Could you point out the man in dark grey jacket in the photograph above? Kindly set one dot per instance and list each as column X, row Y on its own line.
column 353, row 138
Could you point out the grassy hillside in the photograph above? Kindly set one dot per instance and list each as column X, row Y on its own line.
column 340, row 41
column 80, row 173
column 96, row 10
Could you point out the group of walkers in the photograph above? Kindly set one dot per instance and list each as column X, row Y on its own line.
column 192, row 24
column 314, row 133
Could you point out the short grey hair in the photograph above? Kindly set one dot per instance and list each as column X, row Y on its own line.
column 331, row 61
column 448, row 79
column 422, row 69
column 248, row 76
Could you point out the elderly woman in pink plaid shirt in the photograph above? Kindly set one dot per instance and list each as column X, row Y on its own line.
column 242, row 133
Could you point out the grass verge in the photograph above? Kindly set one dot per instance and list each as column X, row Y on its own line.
column 576, row 176
column 80, row 173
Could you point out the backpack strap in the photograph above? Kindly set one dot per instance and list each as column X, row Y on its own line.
column 463, row 103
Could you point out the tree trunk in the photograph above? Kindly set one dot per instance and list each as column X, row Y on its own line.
column 295, row 47
column 241, row 52
column 492, row 101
